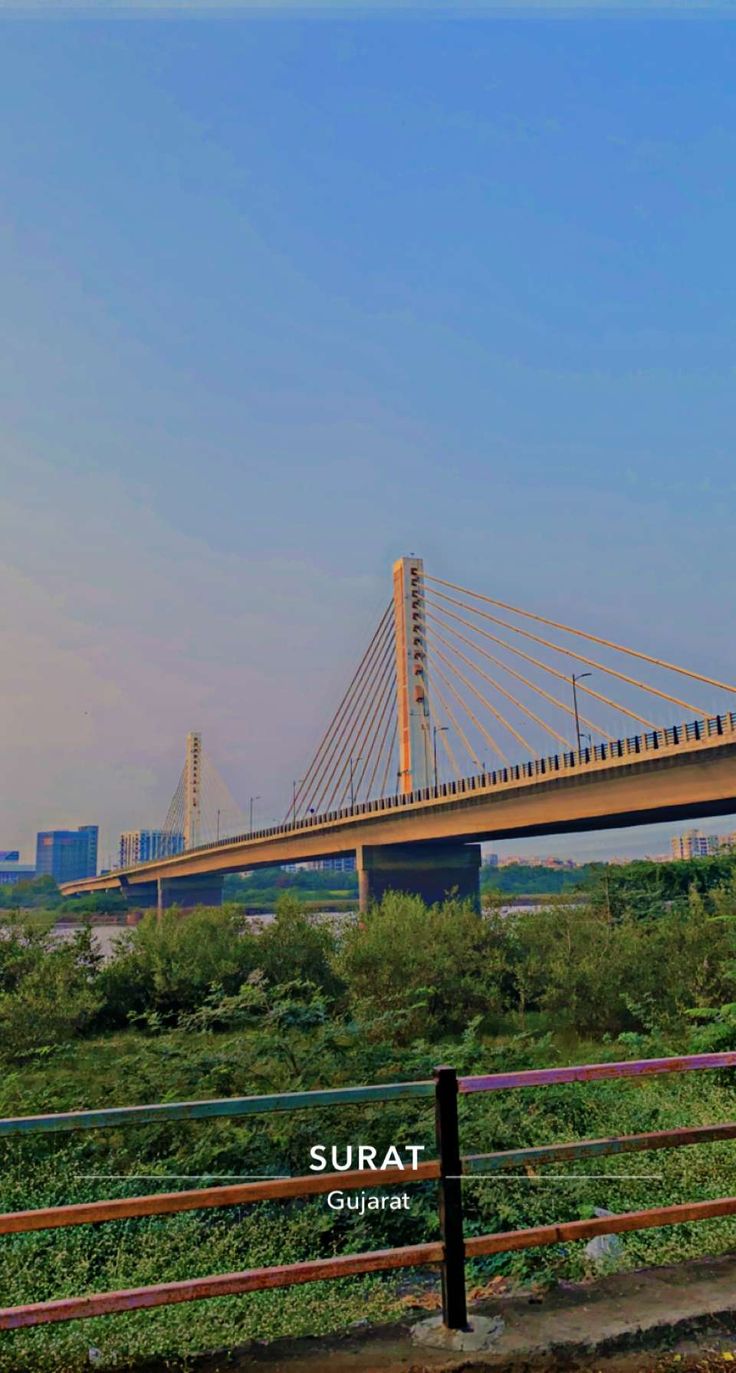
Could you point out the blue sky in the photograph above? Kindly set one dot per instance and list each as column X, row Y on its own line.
column 284, row 297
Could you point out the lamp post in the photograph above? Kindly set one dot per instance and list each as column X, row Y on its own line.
column 352, row 793
column 295, row 783
column 218, row 826
column 576, row 679
column 250, row 810
column 436, row 729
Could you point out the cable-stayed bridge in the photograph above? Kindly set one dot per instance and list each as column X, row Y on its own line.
column 467, row 719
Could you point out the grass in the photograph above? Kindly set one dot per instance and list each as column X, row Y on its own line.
column 131, row 1068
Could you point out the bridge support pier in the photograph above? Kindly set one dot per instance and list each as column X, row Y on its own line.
column 431, row 871
column 200, row 890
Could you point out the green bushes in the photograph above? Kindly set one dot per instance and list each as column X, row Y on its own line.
column 595, row 973
column 432, row 969
column 48, row 991
column 619, row 962
column 167, row 966
column 296, row 945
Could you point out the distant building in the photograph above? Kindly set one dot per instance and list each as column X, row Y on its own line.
column 67, row 855
column 345, row 863
column 693, row 844
column 140, row 846
column 490, row 860
column 12, row 870
column 534, row 861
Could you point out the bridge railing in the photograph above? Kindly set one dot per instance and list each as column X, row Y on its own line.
column 633, row 746
column 450, row 1251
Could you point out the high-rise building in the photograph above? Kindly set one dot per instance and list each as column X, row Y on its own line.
column 12, row 870
column 67, row 855
column 693, row 844
column 140, row 846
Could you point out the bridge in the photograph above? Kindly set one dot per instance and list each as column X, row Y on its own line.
column 414, row 770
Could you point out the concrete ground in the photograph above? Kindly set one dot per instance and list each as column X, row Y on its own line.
column 660, row 1320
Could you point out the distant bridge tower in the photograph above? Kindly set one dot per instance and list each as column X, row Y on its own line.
column 412, row 687
column 193, row 791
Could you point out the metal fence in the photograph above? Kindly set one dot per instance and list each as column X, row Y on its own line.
column 449, row 1251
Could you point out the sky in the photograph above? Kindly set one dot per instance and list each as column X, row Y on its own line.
column 287, row 295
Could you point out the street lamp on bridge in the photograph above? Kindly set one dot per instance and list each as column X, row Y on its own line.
column 352, row 792
column 437, row 729
column 575, row 679
column 296, row 782
column 250, row 810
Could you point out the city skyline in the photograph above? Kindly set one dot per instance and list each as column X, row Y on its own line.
column 481, row 309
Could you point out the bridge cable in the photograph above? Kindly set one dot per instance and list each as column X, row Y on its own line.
column 350, row 727
column 589, row 691
column 341, row 708
column 174, row 822
column 488, row 737
column 346, row 703
column 445, row 741
column 484, row 701
column 379, row 668
column 370, row 734
column 378, row 740
column 456, row 723
column 502, row 719
column 365, row 743
column 220, row 814
column 390, row 699
column 493, row 682
column 389, row 759
column 540, row 691
column 580, row 657
column 593, row 638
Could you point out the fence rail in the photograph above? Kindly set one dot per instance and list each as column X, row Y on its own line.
column 448, row 1169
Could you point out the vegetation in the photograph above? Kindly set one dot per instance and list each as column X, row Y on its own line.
column 259, row 891
column 42, row 893
column 523, row 879
column 641, row 962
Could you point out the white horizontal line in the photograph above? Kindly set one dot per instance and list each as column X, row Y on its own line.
column 555, row 1177
column 179, row 1177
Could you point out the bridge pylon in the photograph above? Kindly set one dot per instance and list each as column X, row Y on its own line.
column 192, row 790
column 412, row 683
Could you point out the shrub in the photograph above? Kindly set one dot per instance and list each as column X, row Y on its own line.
column 50, row 996
column 169, row 965
column 433, row 967
column 299, row 946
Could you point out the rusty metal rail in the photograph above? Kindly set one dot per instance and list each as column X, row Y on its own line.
column 595, row 1072
column 448, row 1169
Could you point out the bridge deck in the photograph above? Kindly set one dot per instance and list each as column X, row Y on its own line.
column 686, row 770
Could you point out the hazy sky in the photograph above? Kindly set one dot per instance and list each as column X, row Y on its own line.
column 284, row 297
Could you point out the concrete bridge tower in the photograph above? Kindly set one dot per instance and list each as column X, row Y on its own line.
column 193, row 791
column 412, row 685
column 429, row 869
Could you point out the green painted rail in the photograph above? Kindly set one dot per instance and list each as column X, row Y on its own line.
column 109, row 1117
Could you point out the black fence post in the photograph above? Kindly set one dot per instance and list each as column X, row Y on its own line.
column 454, row 1304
